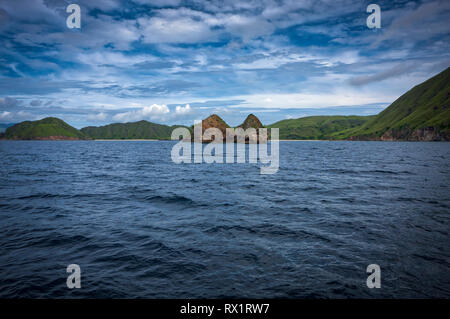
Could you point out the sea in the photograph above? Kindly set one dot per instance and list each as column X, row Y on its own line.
column 140, row 226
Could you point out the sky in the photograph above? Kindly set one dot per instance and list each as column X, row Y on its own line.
column 177, row 61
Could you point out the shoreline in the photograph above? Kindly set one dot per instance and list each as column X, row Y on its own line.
column 127, row 140
column 156, row 140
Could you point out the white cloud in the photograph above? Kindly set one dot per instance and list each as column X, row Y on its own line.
column 347, row 57
column 180, row 110
column 96, row 32
column 273, row 61
column 178, row 30
column 97, row 117
column 103, row 4
column 16, row 116
column 422, row 23
column 396, row 71
column 340, row 97
column 152, row 112
column 247, row 27
column 120, row 34
column 159, row 3
column 8, row 102
column 5, row 115
column 111, row 58
column 184, row 25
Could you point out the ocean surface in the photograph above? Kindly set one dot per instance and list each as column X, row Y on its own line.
column 140, row 226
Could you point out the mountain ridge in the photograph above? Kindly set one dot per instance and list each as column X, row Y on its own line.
column 421, row 114
column 131, row 130
column 316, row 127
column 49, row 128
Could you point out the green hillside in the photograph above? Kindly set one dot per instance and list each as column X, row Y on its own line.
column 47, row 128
column 136, row 130
column 317, row 127
column 426, row 106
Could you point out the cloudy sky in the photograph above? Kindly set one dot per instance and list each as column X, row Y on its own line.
column 174, row 61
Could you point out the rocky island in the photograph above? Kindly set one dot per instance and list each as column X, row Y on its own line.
column 215, row 121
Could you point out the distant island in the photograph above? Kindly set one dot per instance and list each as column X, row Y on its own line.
column 421, row 114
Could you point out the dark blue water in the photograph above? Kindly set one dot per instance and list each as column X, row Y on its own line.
column 140, row 226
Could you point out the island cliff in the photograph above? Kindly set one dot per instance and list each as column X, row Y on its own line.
column 215, row 121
